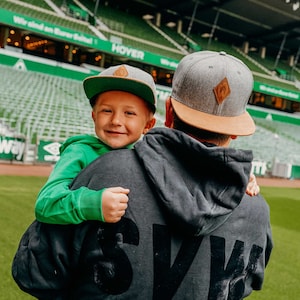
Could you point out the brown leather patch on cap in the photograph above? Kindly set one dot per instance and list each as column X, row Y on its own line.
column 121, row 72
column 222, row 90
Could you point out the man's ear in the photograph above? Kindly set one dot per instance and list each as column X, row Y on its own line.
column 150, row 124
column 227, row 143
column 169, row 114
column 93, row 115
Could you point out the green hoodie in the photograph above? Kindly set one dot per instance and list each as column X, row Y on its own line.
column 56, row 203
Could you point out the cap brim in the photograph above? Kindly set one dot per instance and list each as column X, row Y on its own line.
column 240, row 125
column 96, row 85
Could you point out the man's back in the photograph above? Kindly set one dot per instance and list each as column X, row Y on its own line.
column 188, row 233
column 146, row 258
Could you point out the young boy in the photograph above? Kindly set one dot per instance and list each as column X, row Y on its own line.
column 123, row 100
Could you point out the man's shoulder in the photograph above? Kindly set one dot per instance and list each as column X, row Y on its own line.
column 254, row 207
column 114, row 157
column 112, row 167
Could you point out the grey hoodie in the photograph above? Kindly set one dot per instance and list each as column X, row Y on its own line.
column 190, row 231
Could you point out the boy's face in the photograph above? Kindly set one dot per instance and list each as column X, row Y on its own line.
column 121, row 118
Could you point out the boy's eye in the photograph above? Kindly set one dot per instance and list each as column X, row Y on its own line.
column 130, row 113
column 106, row 110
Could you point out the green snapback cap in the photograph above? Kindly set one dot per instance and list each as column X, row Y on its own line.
column 122, row 78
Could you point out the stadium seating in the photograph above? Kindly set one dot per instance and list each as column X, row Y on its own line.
column 50, row 107
column 272, row 140
column 46, row 15
column 39, row 3
column 43, row 106
column 135, row 32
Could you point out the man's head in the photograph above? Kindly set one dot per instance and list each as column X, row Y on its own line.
column 122, row 78
column 210, row 91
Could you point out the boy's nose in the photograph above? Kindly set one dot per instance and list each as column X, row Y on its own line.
column 116, row 119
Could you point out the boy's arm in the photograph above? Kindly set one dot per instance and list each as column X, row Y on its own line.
column 57, row 204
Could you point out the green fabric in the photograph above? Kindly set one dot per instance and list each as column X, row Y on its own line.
column 56, row 203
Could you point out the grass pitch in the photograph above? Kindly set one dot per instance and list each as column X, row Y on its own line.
column 282, row 277
column 17, row 198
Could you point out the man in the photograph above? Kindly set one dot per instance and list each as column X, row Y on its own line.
column 190, row 231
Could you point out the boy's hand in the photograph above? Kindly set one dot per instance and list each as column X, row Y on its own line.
column 252, row 187
column 114, row 203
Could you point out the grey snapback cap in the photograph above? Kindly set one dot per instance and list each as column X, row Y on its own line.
column 210, row 90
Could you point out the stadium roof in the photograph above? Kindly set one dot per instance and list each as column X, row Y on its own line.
column 271, row 23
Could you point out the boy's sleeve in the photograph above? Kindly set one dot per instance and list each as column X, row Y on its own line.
column 57, row 204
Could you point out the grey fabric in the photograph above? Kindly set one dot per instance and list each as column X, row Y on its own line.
column 185, row 234
column 198, row 185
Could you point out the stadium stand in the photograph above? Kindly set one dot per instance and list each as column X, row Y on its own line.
column 272, row 140
column 47, row 106
column 133, row 33
column 136, row 32
column 47, row 15
column 50, row 107
column 41, row 105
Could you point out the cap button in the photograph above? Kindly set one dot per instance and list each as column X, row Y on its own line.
column 223, row 53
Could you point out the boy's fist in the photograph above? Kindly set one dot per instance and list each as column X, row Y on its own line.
column 114, row 203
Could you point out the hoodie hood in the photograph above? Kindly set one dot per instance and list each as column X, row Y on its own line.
column 90, row 140
column 206, row 182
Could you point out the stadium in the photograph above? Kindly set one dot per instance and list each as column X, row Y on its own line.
column 47, row 47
